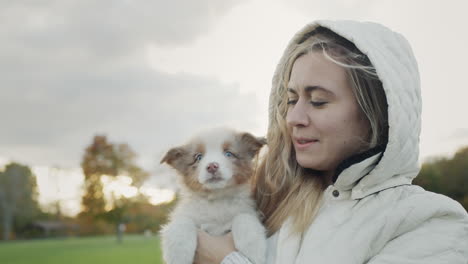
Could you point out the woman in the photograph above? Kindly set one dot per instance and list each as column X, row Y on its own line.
column 335, row 185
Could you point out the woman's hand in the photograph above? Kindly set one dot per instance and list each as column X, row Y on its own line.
column 213, row 249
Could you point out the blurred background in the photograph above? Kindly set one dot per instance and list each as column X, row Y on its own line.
column 92, row 94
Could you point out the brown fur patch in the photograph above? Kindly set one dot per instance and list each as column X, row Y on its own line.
column 200, row 148
column 191, row 181
column 173, row 154
column 183, row 160
column 247, row 147
column 242, row 171
column 227, row 145
column 249, row 144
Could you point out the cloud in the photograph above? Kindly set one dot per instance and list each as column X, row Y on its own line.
column 71, row 69
column 144, row 107
column 120, row 23
column 72, row 35
column 336, row 9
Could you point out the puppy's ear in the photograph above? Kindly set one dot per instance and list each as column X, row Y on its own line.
column 172, row 155
column 251, row 143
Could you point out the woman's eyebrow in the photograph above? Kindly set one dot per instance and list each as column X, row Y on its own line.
column 310, row 89
column 291, row 90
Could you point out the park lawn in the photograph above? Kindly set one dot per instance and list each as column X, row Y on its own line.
column 134, row 249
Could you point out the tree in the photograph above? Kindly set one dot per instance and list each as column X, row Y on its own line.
column 18, row 197
column 447, row 176
column 104, row 158
column 97, row 160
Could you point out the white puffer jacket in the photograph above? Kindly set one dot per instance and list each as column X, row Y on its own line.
column 372, row 214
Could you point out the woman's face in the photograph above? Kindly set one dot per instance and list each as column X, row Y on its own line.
column 324, row 119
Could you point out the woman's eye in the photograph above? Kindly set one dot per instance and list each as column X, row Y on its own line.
column 228, row 154
column 291, row 102
column 198, row 157
column 317, row 103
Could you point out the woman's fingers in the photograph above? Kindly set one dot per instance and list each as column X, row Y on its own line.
column 213, row 249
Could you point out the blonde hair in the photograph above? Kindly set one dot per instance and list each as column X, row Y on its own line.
column 282, row 188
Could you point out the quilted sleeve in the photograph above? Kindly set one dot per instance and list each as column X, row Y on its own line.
column 236, row 258
column 440, row 238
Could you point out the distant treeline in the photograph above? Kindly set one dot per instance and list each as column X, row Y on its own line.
column 21, row 216
column 448, row 176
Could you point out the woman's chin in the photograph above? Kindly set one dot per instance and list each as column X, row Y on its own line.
column 310, row 163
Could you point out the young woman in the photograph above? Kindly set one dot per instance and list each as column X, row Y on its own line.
column 343, row 139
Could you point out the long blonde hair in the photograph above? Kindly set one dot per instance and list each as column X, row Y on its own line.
column 282, row 188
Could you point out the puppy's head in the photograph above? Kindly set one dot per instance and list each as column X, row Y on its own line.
column 215, row 159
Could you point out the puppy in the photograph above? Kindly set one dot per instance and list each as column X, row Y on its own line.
column 214, row 171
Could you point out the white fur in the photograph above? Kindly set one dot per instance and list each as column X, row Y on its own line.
column 213, row 141
column 227, row 208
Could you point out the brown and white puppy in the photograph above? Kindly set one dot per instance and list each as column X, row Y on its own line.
column 214, row 170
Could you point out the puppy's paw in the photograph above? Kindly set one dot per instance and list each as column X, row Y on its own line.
column 179, row 241
column 250, row 237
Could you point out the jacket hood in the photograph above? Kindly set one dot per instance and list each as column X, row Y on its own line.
column 391, row 55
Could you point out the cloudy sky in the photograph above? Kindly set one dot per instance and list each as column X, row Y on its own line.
column 151, row 73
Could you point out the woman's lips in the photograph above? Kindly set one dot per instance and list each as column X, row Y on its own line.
column 303, row 143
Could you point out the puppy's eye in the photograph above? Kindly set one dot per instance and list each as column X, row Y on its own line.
column 198, row 157
column 228, row 154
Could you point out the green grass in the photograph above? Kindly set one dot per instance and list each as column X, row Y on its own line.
column 134, row 249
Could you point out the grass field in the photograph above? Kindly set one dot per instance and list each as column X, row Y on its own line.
column 102, row 250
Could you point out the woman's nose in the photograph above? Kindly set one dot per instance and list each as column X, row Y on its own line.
column 297, row 114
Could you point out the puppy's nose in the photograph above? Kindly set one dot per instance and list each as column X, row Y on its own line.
column 212, row 167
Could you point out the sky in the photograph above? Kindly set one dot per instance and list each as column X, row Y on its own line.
column 152, row 73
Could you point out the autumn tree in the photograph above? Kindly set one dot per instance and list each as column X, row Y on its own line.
column 18, row 197
column 104, row 158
